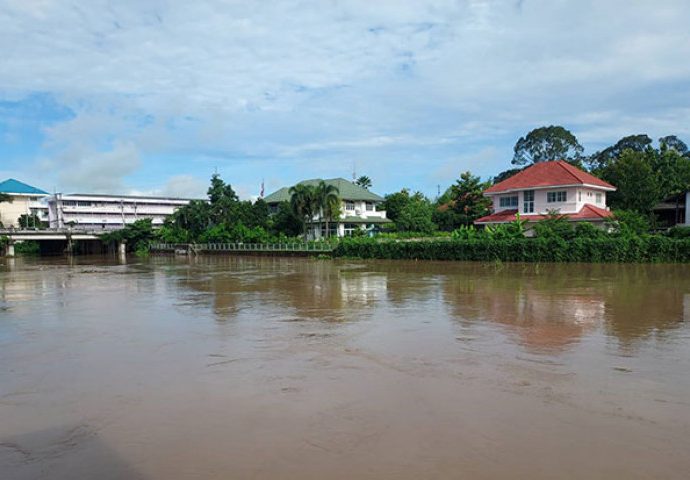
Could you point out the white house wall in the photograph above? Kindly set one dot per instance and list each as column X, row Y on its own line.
column 576, row 198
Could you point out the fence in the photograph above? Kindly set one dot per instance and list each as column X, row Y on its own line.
column 317, row 247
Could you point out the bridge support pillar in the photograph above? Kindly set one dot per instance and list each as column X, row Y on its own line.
column 122, row 248
column 9, row 249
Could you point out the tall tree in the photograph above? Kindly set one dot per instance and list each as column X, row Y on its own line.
column 639, row 187
column 468, row 198
column 364, row 182
column 303, row 204
column 603, row 158
column 547, row 143
column 327, row 201
column 416, row 215
column 394, row 203
column 671, row 142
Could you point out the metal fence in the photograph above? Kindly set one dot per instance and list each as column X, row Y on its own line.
column 317, row 247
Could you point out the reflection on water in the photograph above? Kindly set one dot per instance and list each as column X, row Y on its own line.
column 227, row 367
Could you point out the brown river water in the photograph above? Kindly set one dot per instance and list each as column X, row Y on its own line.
column 268, row 368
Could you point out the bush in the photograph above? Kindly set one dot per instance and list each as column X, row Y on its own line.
column 679, row 232
column 538, row 249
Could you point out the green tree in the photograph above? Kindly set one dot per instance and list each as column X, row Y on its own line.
column 469, row 201
column 554, row 225
column 304, row 204
column 364, row 182
column 602, row 159
column 638, row 185
column 547, row 143
column 31, row 221
column 394, row 203
column 4, row 197
column 285, row 221
column 416, row 216
column 327, row 202
column 671, row 142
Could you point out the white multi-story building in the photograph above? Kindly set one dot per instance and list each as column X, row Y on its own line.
column 23, row 200
column 108, row 212
column 360, row 209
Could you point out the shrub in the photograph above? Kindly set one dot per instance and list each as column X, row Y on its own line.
column 538, row 249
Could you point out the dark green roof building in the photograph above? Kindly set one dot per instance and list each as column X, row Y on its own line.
column 347, row 189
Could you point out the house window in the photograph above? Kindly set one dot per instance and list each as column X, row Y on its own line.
column 370, row 207
column 528, row 201
column 508, row 201
column 598, row 197
column 554, row 197
column 579, row 196
column 349, row 205
column 350, row 228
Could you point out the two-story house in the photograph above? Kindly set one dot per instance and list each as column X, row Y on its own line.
column 360, row 209
column 548, row 187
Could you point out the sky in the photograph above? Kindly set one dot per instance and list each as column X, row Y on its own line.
column 154, row 96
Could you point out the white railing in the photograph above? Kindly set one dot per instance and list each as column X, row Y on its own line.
column 243, row 247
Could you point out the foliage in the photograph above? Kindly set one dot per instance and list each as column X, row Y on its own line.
column 554, row 225
column 671, row 142
column 4, row 197
column 506, row 174
column 28, row 247
column 679, row 232
column 284, row 221
column 31, row 221
column 638, row 185
column 589, row 231
column 4, row 240
column 547, row 143
column 608, row 249
column 602, row 159
column 394, row 203
column 416, row 216
column 466, row 203
column 629, row 223
column 303, row 203
column 364, row 182
column 138, row 235
column 327, row 202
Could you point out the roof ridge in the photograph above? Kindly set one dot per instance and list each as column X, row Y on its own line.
column 562, row 164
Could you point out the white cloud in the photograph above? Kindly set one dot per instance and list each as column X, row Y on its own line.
column 321, row 84
column 85, row 170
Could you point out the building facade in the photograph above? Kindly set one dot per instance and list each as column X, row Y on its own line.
column 546, row 188
column 108, row 212
column 24, row 200
column 360, row 209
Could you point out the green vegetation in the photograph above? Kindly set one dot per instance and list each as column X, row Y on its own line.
column 521, row 249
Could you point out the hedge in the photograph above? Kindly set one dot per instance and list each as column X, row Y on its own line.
column 613, row 249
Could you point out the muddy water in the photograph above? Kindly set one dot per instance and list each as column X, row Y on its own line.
column 227, row 368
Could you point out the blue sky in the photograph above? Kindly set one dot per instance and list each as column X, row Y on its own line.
column 153, row 96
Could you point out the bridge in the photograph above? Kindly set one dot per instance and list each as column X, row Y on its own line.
column 51, row 240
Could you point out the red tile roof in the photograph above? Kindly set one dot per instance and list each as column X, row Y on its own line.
column 548, row 174
column 586, row 213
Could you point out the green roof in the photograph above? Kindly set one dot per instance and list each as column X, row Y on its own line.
column 15, row 186
column 347, row 191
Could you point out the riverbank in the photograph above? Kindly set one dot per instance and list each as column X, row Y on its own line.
column 642, row 249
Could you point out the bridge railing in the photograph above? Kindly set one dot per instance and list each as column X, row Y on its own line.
column 243, row 247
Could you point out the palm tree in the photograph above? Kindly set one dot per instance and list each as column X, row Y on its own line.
column 303, row 204
column 327, row 202
column 364, row 182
